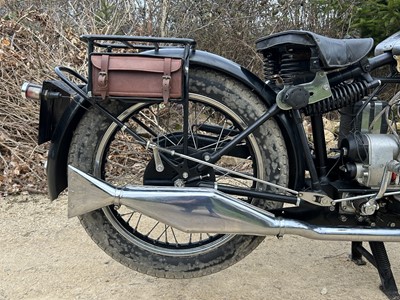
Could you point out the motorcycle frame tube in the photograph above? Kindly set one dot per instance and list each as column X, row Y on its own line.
column 61, row 138
column 355, row 71
column 321, row 157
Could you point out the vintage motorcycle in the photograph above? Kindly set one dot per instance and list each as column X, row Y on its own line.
column 179, row 162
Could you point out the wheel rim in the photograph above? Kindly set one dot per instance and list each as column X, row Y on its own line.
column 146, row 232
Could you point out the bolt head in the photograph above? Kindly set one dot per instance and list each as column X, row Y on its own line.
column 179, row 183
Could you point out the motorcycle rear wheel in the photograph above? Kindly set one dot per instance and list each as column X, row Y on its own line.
column 219, row 108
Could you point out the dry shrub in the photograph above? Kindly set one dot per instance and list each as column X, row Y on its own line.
column 37, row 35
column 30, row 48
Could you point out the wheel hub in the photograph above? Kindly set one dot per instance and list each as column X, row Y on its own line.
column 177, row 175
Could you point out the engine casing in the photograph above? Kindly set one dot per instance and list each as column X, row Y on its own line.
column 367, row 155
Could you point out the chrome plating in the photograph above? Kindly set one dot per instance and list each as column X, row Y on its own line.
column 31, row 91
column 195, row 210
column 192, row 210
column 382, row 148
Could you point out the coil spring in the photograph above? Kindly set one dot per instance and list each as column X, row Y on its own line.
column 269, row 66
column 342, row 95
column 289, row 68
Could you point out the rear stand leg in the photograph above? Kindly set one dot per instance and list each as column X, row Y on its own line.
column 380, row 260
column 356, row 254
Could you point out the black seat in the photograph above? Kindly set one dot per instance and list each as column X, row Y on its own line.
column 333, row 53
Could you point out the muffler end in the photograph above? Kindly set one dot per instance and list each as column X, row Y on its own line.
column 195, row 210
column 188, row 209
column 86, row 194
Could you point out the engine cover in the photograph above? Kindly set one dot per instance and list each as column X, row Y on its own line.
column 367, row 156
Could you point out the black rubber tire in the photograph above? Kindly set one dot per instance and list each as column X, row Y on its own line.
column 230, row 93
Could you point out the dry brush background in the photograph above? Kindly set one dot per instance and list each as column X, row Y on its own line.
column 36, row 36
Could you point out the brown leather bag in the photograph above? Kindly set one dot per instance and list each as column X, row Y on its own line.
column 136, row 76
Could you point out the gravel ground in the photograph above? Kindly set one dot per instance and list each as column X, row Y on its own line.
column 45, row 255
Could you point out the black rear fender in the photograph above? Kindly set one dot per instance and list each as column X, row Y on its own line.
column 62, row 134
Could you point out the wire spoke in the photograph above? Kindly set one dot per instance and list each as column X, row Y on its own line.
column 151, row 230
column 127, row 162
column 163, row 233
column 138, row 221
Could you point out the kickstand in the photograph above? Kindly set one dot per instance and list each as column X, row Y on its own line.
column 380, row 260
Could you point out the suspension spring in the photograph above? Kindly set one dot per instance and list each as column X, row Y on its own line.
column 342, row 95
column 269, row 66
column 291, row 67
column 288, row 68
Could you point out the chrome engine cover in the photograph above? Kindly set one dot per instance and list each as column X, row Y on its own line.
column 378, row 150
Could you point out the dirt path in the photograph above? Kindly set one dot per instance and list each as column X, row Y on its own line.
column 44, row 255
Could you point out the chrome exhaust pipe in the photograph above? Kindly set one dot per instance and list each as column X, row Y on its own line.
column 196, row 210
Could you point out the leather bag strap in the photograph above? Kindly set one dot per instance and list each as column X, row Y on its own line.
column 102, row 81
column 166, row 79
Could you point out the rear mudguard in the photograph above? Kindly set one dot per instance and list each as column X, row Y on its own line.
column 61, row 138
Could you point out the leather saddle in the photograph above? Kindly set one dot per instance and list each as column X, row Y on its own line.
column 333, row 53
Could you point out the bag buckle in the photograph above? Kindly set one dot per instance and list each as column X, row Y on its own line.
column 166, row 87
column 102, row 80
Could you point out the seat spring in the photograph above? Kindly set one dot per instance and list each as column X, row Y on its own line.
column 290, row 67
column 269, row 66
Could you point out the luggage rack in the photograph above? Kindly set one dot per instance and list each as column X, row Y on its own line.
column 125, row 42
column 140, row 45
column 137, row 45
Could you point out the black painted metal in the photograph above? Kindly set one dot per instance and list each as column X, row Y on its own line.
column 241, row 136
column 357, row 253
column 380, row 260
column 253, row 193
column 319, row 145
column 315, row 182
column 385, row 272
